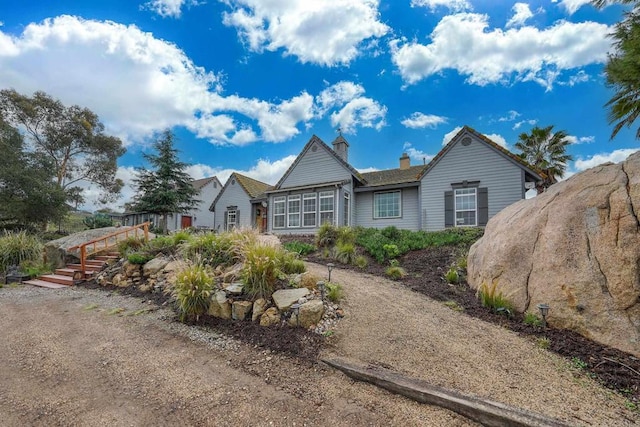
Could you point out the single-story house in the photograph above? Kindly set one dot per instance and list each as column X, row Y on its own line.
column 470, row 180
column 199, row 217
column 242, row 202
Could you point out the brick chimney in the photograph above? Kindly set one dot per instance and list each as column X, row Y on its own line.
column 405, row 162
column 341, row 147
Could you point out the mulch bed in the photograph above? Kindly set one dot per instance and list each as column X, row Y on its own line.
column 615, row 369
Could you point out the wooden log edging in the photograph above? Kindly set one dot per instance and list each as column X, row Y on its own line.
column 485, row 412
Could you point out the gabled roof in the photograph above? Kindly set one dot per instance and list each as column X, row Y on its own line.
column 534, row 172
column 321, row 143
column 393, row 176
column 198, row 184
column 252, row 187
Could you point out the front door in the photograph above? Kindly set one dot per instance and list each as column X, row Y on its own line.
column 185, row 222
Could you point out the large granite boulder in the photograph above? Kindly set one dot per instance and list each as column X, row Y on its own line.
column 575, row 247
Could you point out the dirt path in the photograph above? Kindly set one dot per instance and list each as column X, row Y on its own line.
column 387, row 324
column 67, row 358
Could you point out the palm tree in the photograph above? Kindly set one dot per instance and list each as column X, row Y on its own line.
column 545, row 150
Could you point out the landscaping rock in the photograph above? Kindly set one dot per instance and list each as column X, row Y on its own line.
column 575, row 247
column 241, row 309
column 118, row 279
column 172, row 266
column 129, row 269
column 154, row 266
column 310, row 313
column 220, row 306
column 234, row 288
column 283, row 298
column 270, row 317
column 259, row 306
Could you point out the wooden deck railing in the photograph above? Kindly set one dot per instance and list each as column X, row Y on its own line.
column 102, row 243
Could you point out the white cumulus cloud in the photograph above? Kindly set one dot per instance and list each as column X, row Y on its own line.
column 419, row 120
column 453, row 5
column 465, row 43
column 350, row 108
column 521, row 13
column 498, row 139
column 616, row 156
column 571, row 6
column 324, row 32
column 139, row 85
column 169, row 8
column 416, row 154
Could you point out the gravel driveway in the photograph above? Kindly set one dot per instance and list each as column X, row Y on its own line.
column 88, row 357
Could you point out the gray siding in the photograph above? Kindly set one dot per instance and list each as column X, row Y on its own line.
column 475, row 162
column 233, row 195
column 316, row 167
column 410, row 217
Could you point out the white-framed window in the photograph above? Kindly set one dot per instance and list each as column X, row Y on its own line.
column 466, row 207
column 326, row 207
column 309, row 208
column 293, row 216
column 232, row 219
column 387, row 204
column 347, row 209
column 279, row 211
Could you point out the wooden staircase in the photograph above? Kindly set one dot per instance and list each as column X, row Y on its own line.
column 73, row 273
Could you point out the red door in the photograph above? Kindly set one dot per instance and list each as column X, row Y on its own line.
column 185, row 222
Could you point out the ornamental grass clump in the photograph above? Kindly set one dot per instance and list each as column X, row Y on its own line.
column 193, row 291
column 334, row 292
column 17, row 247
column 452, row 276
column 130, row 244
column 290, row 264
column 345, row 253
column 261, row 270
column 300, row 248
column 212, row 249
column 494, row 300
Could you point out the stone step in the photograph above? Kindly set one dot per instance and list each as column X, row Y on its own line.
column 44, row 284
column 57, row 278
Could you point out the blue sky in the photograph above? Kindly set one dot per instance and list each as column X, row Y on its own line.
column 244, row 84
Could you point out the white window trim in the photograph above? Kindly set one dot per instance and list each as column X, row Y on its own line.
column 399, row 205
column 456, row 210
column 293, row 199
column 235, row 216
column 276, row 200
column 310, row 196
column 327, row 195
column 347, row 209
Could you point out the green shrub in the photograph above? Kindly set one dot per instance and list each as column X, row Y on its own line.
column 300, row 248
column 35, row 268
column 327, row 235
column 334, row 292
column 193, row 291
column 391, row 232
column 139, row 258
column 494, row 300
column 395, row 272
column 160, row 245
column 290, row 264
column 452, row 276
column 532, row 320
column 361, row 262
column 130, row 244
column 18, row 247
column 212, row 249
column 180, row 237
column 261, row 270
column 345, row 253
column 391, row 251
column 346, row 235
column 98, row 220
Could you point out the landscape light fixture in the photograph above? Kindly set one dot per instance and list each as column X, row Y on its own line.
column 322, row 289
column 544, row 310
column 330, row 267
column 295, row 308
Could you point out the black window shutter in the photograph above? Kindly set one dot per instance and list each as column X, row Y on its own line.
column 448, row 209
column 483, row 206
column 237, row 218
column 226, row 213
